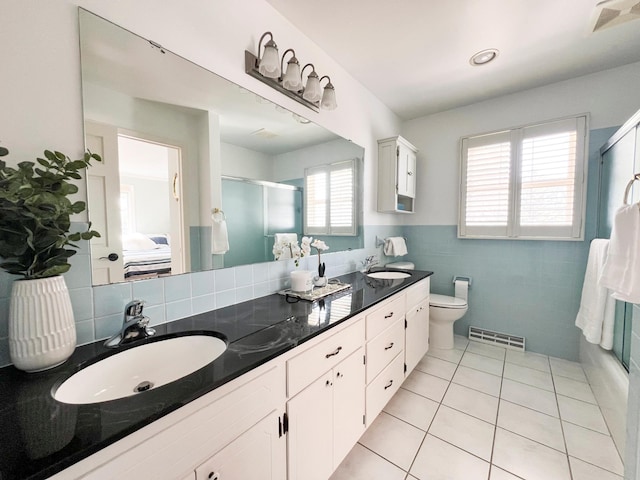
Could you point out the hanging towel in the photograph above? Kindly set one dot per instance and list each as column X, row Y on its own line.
column 219, row 235
column 597, row 308
column 395, row 247
column 621, row 272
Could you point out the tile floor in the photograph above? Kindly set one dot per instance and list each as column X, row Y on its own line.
column 480, row 412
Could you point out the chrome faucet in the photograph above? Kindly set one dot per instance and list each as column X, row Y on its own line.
column 134, row 326
column 370, row 262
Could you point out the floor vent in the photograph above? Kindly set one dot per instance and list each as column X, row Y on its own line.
column 495, row 338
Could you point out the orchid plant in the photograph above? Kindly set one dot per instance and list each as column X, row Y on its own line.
column 284, row 250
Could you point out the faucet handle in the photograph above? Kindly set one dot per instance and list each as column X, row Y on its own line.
column 134, row 308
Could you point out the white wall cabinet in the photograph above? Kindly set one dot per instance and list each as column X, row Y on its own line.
column 325, row 420
column 417, row 323
column 396, row 175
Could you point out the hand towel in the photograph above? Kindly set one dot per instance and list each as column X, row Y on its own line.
column 597, row 308
column 219, row 235
column 621, row 273
column 395, row 247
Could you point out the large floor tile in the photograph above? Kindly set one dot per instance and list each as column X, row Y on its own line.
column 531, row 424
column 574, row 389
column 460, row 342
column 435, row 366
column 393, row 439
column 528, row 459
column 584, row 471
column 472, row 402
column 530, row 397
column 582, row 413
column 536, row 361
column 484, row 364
column 426, row 385
column 499, row 474
column 438, row 460
column 486, row 350
column 592, row 447
column 454, row 355
column 363, row 464
column 565, row 368
column 412, row 408
column 482, row 381
column 463, row 431
column 528, row 376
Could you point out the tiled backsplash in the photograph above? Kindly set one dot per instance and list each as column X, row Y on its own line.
column 98, row 310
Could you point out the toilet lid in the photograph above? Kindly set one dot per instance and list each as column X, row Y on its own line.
column 446, row 301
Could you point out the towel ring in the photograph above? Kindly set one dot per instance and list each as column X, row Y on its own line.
column 215, row 211
column 628, row 189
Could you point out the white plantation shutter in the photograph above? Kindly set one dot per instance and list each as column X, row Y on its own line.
column 330, row 199
column 525, row 183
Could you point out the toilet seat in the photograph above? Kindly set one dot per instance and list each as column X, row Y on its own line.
column 446, row 301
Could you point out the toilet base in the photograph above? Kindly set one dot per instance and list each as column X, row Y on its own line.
column 441, row 335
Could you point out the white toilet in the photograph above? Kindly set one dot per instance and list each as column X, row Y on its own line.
column 443, row 311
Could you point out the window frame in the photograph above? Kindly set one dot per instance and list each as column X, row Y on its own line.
column 328, row 228
column 513, row 230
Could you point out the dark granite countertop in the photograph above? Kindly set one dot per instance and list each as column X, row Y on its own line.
column 41, row 436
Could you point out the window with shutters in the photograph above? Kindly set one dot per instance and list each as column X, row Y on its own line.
column 527, row 182
column 329, row 201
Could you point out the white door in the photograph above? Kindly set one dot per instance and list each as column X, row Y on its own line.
column 416, row 334
column 310, row 436
column 175, row 212
column 348, row 405
column 406, row 171
column 103, row 185
column 257, row 454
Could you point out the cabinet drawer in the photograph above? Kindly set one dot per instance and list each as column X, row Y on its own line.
column 383, row 387
column 418, row 292
column 382, row 317
column 382, row 349
column 310, row 364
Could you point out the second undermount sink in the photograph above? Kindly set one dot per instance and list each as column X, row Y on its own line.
column 140, row 368
column 389, row 275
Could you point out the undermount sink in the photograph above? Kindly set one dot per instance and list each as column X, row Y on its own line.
column 389, row 275
column 141, row 368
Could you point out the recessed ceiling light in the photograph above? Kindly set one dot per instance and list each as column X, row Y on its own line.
column 483, row 57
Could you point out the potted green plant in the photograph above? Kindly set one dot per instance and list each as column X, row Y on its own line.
column 35, row 242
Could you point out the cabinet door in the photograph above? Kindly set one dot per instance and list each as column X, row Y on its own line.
column 257, row 454
column 348, row 405
column 310, row 437
column 416, row 334
column 406, row 171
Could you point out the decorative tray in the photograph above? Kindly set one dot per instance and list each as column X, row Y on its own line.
column 334, row 286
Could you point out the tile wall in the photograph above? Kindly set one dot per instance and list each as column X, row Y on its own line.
column 632, row 454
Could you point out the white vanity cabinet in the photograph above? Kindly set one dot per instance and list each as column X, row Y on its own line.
column 325, row 418
column 417, row 323
column 396, row 175
column 385, row 354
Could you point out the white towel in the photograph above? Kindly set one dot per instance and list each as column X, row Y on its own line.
column 597, row 308
column 621, row 272
column 395, row 247
column 219, row 235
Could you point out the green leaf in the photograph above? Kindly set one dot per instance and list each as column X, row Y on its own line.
column 44, row 163
column 53, row 271
column 50, row 156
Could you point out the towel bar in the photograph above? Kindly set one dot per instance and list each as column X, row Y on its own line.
column 628, row 189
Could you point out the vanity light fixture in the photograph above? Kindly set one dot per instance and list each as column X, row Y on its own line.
column 483, row 57
column 269, row 69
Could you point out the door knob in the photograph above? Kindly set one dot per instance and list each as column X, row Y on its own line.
column 112, row 257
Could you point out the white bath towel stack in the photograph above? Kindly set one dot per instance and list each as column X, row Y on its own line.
column 395, row 247
column 621, row 272
column 219, row 234
column 597, row 308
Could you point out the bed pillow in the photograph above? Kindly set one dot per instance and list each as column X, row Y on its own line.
column 160, row 239
column 138, row 241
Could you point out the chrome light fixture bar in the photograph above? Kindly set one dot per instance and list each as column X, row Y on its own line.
column 269, row 69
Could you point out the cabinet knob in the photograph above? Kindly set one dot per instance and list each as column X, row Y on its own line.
column 328, row 383
column 214, row 476
column 409, row 173
column 339, row 375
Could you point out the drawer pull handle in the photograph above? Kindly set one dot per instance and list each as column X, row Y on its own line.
column 389, row 315
column 389, row 384
column 389, row 346
column 335, row 352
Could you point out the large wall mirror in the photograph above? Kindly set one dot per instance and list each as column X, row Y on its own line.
column 179, row 142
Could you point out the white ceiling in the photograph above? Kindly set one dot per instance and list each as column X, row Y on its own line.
column 414, row 54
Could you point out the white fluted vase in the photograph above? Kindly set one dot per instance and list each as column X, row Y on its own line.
column 42, row 332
